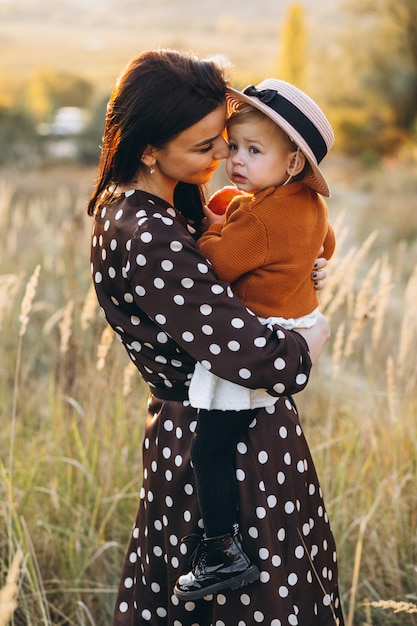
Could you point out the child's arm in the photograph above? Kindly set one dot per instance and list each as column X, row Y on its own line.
column 236, row 247
column 329, row 243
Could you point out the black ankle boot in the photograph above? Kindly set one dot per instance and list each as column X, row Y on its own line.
column 219, row 563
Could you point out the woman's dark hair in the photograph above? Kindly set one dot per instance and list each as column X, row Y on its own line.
column 158, row 95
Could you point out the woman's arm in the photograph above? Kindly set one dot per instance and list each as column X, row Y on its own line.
column 176, row 287
column 316, row 336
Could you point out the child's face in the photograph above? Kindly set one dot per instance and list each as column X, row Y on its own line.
column 260, row 155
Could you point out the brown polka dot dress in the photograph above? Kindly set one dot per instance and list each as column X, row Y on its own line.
column 169, row 309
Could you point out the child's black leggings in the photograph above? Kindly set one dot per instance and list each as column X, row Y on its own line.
column 213, row 452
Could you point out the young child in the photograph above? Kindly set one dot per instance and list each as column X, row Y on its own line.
column 265, row 246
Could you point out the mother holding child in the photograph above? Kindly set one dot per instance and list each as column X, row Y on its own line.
column 187, row 565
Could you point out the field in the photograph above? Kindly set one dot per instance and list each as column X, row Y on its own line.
column 96, row 39
column 71, row 407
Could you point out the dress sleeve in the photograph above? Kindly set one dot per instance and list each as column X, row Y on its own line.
column 177, row 288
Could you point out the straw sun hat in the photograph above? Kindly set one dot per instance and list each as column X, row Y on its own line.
column 298, row 115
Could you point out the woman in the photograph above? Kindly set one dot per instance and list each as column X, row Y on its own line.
column 163, row 139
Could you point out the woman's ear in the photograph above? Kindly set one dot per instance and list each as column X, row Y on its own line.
column 148, row 157
column 296, row 162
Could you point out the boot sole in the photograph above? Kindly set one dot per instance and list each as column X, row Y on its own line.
column 247, row 577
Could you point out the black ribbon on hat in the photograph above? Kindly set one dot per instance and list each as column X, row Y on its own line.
column 293, row 116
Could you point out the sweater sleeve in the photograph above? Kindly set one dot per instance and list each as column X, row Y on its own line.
column 238, row 248
column 329, row 243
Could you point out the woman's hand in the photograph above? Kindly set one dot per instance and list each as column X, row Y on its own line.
column 316, row 336
column 318, row 275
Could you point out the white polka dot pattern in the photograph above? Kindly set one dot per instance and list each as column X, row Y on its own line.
column 165, row 285
column 282, row 523
column 169, row 310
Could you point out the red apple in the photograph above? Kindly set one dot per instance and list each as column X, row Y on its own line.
column 220, row 199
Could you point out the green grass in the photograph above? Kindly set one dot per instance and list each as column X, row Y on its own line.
column 72, row 415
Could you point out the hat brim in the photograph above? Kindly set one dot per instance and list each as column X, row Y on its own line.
column 316, row 179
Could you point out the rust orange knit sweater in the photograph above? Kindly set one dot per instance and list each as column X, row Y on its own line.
column 267, row 247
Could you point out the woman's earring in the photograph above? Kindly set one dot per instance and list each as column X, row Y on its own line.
column 152, row 170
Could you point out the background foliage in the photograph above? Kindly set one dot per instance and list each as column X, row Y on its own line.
column 71, row 407
column 362, row 68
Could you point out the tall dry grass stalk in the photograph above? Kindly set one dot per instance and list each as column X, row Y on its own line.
column 362, row 309
column 358, row 299
column 65, row 327
column 104, row 346
column 364, row 300
column 392, row 392
column 25, row 310
column 343, row 276
column 8, row 593
column 363, row 524
column 381, row 305
column 395, row 607
column 129, row 372
column 27, row 301
column 9, row 286
column 337, row 353
column 408, row 330
column 89, row 309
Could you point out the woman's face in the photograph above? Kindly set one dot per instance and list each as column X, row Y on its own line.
column 194, row 154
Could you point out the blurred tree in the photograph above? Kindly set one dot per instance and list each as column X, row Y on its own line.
column 368, row 72
column 292, row 57
column 48, row 90
column 383, row 41
column 91, row 139
column 390, row 28
column 19, row 143
column 10, row 89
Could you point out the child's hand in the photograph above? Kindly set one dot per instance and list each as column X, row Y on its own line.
column 221, row 198
column 212, row 218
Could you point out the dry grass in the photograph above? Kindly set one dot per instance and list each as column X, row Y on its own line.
column 71, row 404
column 8, row 593
column 359, row 412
